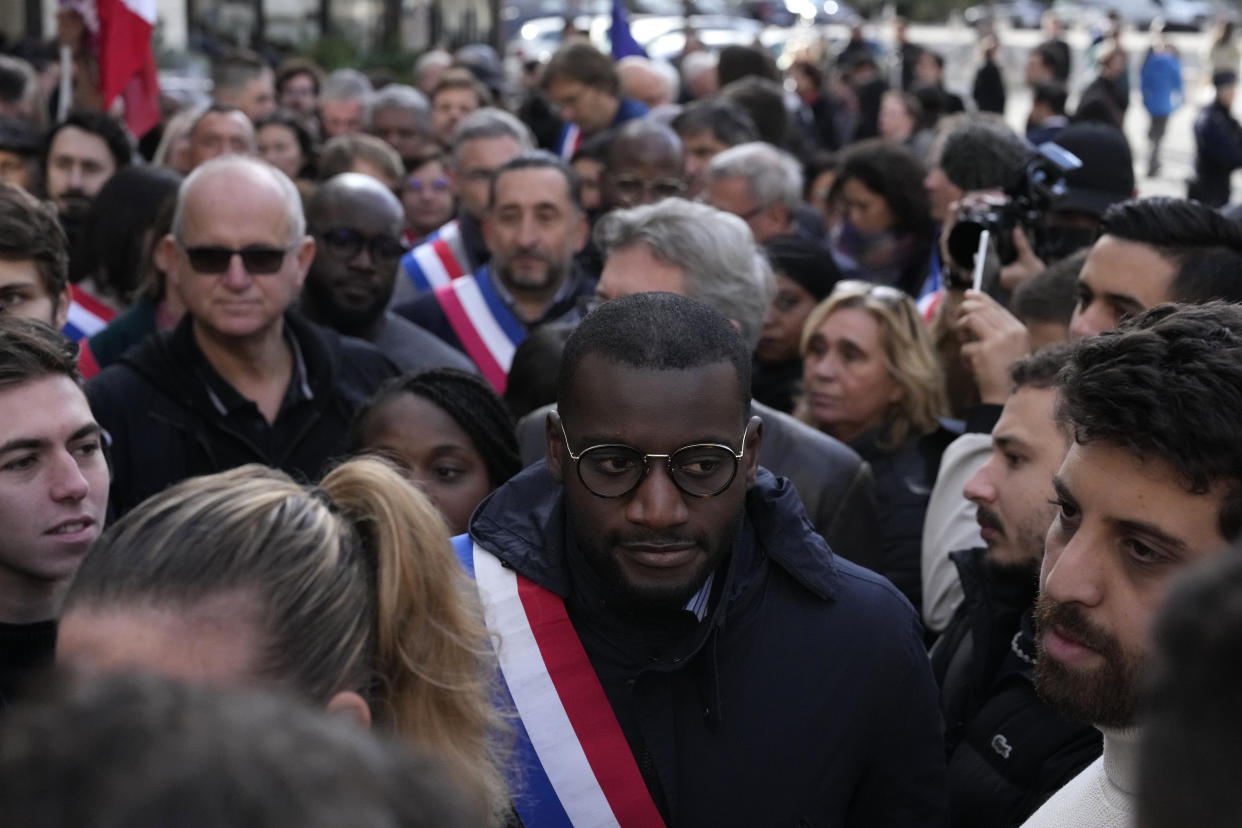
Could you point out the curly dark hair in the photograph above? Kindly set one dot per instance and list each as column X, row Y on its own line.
column 1167, row 384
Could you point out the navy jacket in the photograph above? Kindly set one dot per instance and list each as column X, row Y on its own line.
column 804, row 697
column 1218, row 152
column 165, row 426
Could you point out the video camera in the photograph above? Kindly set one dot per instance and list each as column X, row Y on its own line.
column 1038, row 184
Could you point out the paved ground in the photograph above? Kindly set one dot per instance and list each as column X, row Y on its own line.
column 958, row 44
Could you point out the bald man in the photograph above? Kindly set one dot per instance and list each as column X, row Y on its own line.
column 356, row 222
column 652, row 84
column 646, row 164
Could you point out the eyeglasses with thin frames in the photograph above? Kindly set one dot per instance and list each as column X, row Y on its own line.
column 700, row 470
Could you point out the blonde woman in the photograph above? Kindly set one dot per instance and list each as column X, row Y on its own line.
column 348, row 593
column 871, row 379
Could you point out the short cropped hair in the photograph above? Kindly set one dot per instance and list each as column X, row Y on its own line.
column 1052, row 295
column 764, row 101
column 774, row 176
column 346, row 85
column 581, row 62
column 339, row 154
column 490, row 122
column 727, row 122
column 1166, row 385
column 206, row 757
column 1204, row 246
column 31, row 232
column 96, row 123
column 400, row 96
column 236, row 69
column 1053, row 95
column 1040, row 369
column 31, row 350
column 540, row 160
column 652, row 331
column 723, row 267
column 462, row 79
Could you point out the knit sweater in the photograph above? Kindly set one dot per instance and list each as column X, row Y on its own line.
column 1102, row 796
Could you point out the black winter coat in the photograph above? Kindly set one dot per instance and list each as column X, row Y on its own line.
column 1007, row 750
column 803, row 698
column 165, row 426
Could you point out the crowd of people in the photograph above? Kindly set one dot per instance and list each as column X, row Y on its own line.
column 718, row 443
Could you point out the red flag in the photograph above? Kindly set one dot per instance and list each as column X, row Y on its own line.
column 121, row 31
column 127, row 62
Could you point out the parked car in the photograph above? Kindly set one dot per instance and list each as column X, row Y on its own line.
column 1019, row 14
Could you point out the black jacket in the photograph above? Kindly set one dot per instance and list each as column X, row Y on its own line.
column 1008, row 751
column 1218, row 152
column 834, row 483
column 904, row 478
column 803, row 697
column 165, row 426
column 989, row 89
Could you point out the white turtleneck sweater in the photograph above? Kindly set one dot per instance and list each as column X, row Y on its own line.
column 1102, row 796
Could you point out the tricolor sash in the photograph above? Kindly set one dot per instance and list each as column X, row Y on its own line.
column 569, row 141
column 488, row 330
column 577, row 768
column 439, row 260
column 87, row 315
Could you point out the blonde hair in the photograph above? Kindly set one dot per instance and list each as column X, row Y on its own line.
column 359, row 589
column 908, row 355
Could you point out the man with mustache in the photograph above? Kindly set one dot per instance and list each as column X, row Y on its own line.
column 681, row 646
column 1007, row 750
column 534, row 226
column 80, row 154
column 1151, row 485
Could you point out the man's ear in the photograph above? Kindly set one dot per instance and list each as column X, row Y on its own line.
column 754, row 442
column 305, row 255
column 349, row 704
column 556, row 446
column 165, row 257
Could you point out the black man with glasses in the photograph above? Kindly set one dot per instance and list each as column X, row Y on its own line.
column 356, row 223
column 242, row 378
column 680, row 646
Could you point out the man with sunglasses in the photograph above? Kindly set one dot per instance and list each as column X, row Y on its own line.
column 240, row 379
column 356, row 222
column 682, row 648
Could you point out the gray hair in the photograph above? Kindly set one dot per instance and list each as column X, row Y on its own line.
column 257, row 169
column 348, row 85
column 490, row 122
column 696, row 63
column 715, row 249
column 400, row 96
column 774, row 176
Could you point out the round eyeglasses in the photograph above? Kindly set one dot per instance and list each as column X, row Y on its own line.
column 614, row 470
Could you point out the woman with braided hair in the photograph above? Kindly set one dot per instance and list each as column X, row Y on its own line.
column 448, row 432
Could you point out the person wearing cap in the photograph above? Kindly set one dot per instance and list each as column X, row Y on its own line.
column 19, row 152
column 1218, row 144
column 1105, row 178
column 805, row 274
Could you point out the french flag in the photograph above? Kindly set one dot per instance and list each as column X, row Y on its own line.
column 121, row 34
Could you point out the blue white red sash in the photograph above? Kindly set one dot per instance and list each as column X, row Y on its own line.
column 569, row 141
column 87, row 315
column 440, row 259
column 577, row 769
column 488, row 330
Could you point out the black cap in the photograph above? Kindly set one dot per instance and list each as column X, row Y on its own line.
column 1225, row 77
column 18, row 136
column 1107, row 172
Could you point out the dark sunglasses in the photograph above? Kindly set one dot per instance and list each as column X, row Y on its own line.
column 258, row 259
column 347, row 242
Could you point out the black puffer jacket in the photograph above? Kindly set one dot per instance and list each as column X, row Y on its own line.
column 1008, row 751
column 165, row 427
